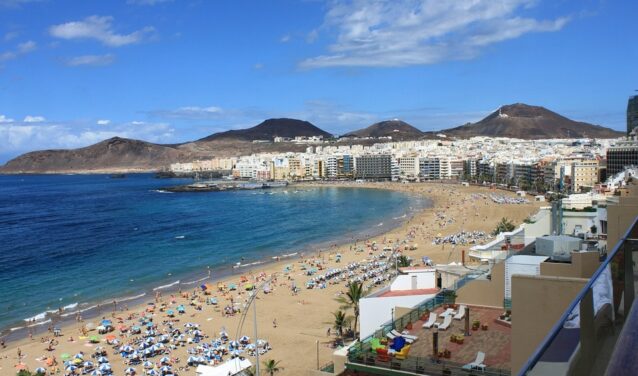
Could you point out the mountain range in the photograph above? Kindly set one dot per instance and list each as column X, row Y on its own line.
column 120, row 154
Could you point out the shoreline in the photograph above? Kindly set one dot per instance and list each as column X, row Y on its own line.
column 14, row 332
column 295, row 324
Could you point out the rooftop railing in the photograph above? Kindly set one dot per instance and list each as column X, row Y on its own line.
column 362, row 358
column 599, row 324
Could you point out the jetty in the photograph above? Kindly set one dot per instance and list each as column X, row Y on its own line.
column 225, row 186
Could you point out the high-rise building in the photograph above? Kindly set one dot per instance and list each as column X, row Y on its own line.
column 375, row 167
column 632, row 113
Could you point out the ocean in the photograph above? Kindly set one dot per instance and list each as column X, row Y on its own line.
column 72, row 241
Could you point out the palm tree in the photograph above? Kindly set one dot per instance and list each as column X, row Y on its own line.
column 272, row 366
column 505, row 225
column 403, row 261
column 341, row 321
column 351, row 300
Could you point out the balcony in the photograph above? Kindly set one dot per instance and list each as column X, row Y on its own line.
column 598, row 332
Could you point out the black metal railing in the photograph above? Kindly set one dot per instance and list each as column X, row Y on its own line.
column 583, row 340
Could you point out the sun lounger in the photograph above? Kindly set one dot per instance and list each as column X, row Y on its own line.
column 446, row 323
column 477, row 363
column 431, row 321
column 460, row 314
column 409, row 338
column 393, row 334
column 447, row 312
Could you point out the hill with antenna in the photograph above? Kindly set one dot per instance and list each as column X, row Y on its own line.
column 523, row 121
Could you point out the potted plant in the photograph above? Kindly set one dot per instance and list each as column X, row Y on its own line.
column 425, row 315
column 484, row 327
column 476, row 324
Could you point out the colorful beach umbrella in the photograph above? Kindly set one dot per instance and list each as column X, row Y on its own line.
column 65, row 356
column 104, row 367
column 94, row 339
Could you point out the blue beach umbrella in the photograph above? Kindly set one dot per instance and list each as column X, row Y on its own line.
column 102, row 359
column 130, row 371
column 166, row 369
column 148, row 364
column 152, row 372
column 88, row 364
column 40, row 371
column 96, row 373
column 104, row 367
column 165, row 360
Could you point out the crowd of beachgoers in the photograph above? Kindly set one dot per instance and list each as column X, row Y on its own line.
column 295, row 300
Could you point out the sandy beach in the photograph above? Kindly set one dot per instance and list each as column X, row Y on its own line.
column 292, row 323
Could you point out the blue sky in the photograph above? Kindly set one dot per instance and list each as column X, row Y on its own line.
column 75, row 72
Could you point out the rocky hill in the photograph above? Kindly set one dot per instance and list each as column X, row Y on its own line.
column 529, row 122
column 397, row 129
column 114, row 154
column 271, row 128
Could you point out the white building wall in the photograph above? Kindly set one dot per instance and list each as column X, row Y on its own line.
column 424, row 280
column 376, row 311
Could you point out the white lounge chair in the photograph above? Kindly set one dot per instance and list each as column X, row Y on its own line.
column 447, row 312
column 393, row 334
column 431, row 321
column 460, row 314
column 409, row 338
column 446, row 323
column 477, row 363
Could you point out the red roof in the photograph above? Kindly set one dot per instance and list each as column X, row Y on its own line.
column 410, row 292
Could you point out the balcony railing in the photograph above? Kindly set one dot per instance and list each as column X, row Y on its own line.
column 596, row 325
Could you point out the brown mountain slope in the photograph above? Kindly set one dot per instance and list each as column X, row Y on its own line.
column 529, row 122
column 397, row 129
column 114, row 154
column 271, row 128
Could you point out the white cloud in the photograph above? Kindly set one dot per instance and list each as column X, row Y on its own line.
column 21, row 49
column 103, row 122
column 147, row 2
column 285, row 38
column 5, row 119
column 98, row 28
column 33, row 119
column 191, row 112
column 90, row 60
column 10, row 35
column 15, row 3
column 416, row 32
column 20, row 137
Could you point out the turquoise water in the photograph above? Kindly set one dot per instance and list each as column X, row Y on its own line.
column 72, row 241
